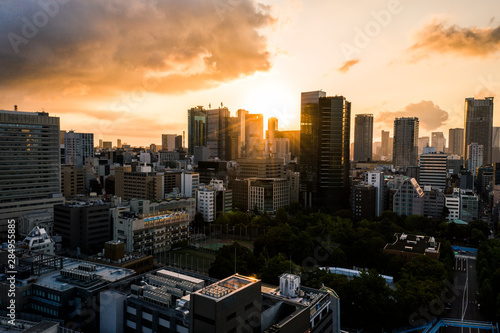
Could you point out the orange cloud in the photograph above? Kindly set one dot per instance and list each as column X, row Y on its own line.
column 102, row 48
column 436, row 37
column 430, row 116
column 346, row 66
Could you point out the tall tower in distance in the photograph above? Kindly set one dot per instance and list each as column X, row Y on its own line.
column 363, row 137
column 324, row 150
column 456, row 141
column 405, row 149
column 438, row 141
column 386, row 145
column 197, row 128
column 78, row 147
column 479, row 126
column 272, row 127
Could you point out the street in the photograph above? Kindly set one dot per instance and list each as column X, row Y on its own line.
column 466, row 303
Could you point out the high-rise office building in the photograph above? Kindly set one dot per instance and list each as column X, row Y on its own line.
column 78, row 147
column 433, row 168
column 408, row 199
column 363, row 137
column 475, row 152
column 197, row 128
column 423, row 142
column 218, row 134
column 479, row 125
column 294, row 138
column 168, row 142
column 254, row 135
column 405, row 149
column 324, row 150
column 376, row 179
column 438, row 141
column 178, row 142
column 495, row 154
column 272, row 127
column 456, row 141
column 30, row 168
column 118, row 143
column 386, row 145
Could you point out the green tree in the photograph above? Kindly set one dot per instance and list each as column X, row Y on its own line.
column 224, row 264
column 276, row 266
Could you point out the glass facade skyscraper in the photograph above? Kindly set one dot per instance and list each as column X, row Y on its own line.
column 324, row 150
column 479, row 125
column 197, row 132
column 405, row 151
column 363, row 137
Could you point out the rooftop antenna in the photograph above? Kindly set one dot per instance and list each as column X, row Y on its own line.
column 234, row 259
column 290, row 265
column 15, row 107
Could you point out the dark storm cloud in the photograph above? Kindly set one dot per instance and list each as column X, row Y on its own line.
column 437, row 37
column 98, row 47
column 430, row 116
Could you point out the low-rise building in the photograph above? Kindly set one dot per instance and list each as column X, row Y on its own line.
column 408, row 247
column 150, row 233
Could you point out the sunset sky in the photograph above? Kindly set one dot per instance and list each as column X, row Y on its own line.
column 130, row 69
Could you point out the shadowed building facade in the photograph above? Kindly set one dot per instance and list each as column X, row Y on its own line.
column 363, row 137
column 479, row 126
column 405, row 151
column 324, row 150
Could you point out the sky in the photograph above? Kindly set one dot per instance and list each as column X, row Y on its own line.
column 130, row 70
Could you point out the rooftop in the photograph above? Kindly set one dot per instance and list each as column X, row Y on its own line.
column 414, row 244
column 100, row 273
column 221, row 289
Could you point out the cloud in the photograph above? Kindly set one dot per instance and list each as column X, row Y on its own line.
column 430, row 116
column 346, row 66
column 96, row 47
column 437, row 37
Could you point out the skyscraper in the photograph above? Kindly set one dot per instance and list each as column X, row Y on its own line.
column 456, row 141
column 272, row 127
column 254, row 135
column 197, row 131
column 495, row 155
column 423, row 141
column 363, row 137
column 324, row 150
column 438, row 141
column 78, row 147
column 29, row 164
column 475, row 152
column 479, row 125
column 386, row 144
column 218, row 139
column 433, row 168
column 405, row 149
column 168, row 142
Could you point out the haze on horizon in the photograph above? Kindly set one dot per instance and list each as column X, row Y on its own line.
column 130, row 70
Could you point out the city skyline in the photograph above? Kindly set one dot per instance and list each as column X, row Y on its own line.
column 390, row 59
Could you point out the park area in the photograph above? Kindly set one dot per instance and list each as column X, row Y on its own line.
column 199, row 255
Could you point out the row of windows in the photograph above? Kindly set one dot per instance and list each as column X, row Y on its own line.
column 44, row 309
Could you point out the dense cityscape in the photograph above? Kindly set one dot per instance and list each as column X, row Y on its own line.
column 289, row 209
